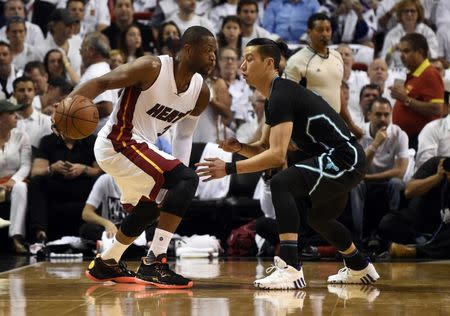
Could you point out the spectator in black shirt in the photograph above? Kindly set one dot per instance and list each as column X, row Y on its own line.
column 123, row 12
column 335, row 165
column 62, row 177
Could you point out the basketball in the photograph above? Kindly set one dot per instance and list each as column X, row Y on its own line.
column 76, row 117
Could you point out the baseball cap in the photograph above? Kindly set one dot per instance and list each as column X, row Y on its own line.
column 6, row 106
column 62, row 15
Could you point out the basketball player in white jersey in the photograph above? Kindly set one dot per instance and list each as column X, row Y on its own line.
column 158, row 92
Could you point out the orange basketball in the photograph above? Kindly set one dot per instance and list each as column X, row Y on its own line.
column 76, row 117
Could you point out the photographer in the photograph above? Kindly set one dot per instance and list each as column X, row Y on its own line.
column 430, row 194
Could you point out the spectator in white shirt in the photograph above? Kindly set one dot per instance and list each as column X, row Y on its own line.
column 34, row 36
column 247, row 11
column 186, row 17
column 95, row 53
column 21, row 51
column 60, row 37
column 355, row 79
column 15, row 165
column 93, row 15
column 32, row 122
column 410, row 16
column 222, row 10
column 434, row 140
column 386, row 147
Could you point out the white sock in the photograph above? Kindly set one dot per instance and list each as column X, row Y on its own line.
column 160, row 242
column 115, row 251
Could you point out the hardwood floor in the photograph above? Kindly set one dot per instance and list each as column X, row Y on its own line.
column 225, row 288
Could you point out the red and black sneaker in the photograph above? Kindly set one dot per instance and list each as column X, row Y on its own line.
column 155, row 271
column 100, row 270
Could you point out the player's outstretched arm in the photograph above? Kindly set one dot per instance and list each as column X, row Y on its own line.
column 232, row 145
column 141, row 73
column 272, row 157
column 184, row 129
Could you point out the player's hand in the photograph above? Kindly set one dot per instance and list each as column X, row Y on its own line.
column 398, row 93
column 75, row 170
column 110, row 229
column 380, row 137
column 214, row 169
column 60, row 167
column 230, row 145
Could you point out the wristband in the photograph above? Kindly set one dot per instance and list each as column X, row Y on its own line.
column 230, row 168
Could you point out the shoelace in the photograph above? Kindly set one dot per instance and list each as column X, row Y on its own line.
column 271, row 268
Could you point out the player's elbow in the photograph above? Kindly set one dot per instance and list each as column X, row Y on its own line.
column 278, row 158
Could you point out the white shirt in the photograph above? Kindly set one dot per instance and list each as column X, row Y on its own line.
column 394, row 147
column 36, row 103
column 323, row 75
column 34, row 36
column 356, row 81
column 442, row 13
column 393, row 38
column 218, row 13
column 15, row 158
column 28, row 54
column 106, row 193
column 241, row 105
column 443, row 36
column 195, row 20
column 259, row 31
column 95, row 12
column 434, row 140
column 36, row 126
column 73, row 53
column 94, row 71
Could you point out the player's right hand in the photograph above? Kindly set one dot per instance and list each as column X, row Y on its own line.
column 230, row 145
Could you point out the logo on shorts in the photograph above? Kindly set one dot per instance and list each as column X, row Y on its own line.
column 330, row 165
column 161, row 238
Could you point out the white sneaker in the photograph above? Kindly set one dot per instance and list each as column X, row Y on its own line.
column 4, row 223
column 350, row 291
column 284, row 277
column 349, row 276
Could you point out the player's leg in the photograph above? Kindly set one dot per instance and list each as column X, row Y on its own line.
column 322, row 218
column 107, row 266
column 287, row 187
column 181, row 183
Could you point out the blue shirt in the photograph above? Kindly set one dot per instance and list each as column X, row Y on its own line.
column 288, row 19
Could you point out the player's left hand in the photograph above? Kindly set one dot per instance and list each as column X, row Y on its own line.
column 215, row 169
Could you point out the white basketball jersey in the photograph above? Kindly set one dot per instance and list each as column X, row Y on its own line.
column 144, row 115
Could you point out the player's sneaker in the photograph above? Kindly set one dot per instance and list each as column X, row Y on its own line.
column 283, row 277
column 348, row 276
column 100, row 270
column 351, row 291
column 156, row 272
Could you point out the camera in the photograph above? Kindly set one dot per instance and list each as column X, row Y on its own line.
column 446, row 164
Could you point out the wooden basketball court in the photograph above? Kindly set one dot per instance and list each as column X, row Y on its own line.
column 225, row 288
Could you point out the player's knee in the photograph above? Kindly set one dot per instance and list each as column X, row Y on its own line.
column 140, row 218
column 277, row 184
column 180, row 195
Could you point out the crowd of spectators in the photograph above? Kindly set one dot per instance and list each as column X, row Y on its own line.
column 381, row 64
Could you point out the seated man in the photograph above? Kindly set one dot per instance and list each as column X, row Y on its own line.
column 386, row 147
column 106, row 193
column 429, row 194
column 62, row 177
